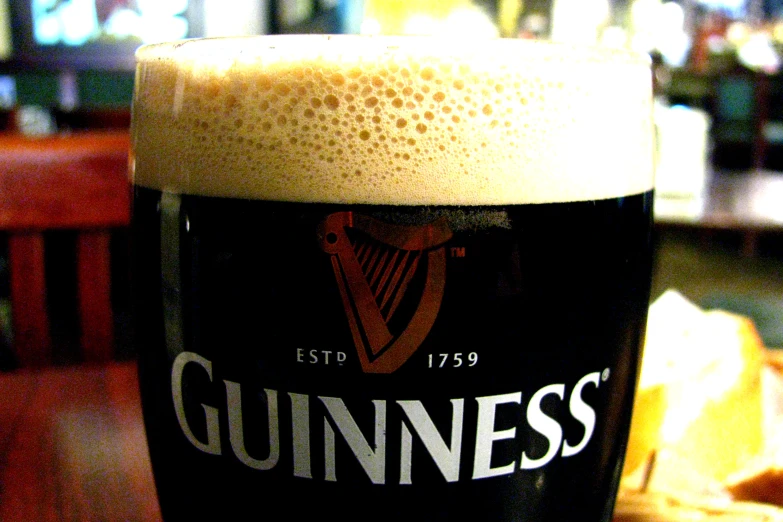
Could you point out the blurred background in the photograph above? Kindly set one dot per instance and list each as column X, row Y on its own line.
column 66, row 67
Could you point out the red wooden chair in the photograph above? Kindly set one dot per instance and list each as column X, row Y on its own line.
column 76, row 182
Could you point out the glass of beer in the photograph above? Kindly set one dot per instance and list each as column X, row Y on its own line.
column 389, row 278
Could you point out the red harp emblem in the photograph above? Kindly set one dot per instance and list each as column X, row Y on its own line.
column 376, row 266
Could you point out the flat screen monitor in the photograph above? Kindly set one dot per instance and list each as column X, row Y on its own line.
column 97, row 34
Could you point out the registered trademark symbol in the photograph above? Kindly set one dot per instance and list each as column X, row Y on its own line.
column 605, row 374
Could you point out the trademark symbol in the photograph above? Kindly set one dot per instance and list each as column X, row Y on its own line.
column 605, row 375
column 457, row 251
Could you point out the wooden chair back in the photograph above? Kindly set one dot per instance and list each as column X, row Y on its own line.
column 77, row 182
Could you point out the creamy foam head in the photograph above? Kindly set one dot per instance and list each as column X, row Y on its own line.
column 391, row 120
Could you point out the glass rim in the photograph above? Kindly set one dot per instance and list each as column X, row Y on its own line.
column 312, row 45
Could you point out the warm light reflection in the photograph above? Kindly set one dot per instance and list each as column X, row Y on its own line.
column 579, row 21
column 758, row 53
column 766, row 197
column 660, row 26
column 427, row 17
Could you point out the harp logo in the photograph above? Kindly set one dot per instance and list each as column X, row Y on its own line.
column 391, row 280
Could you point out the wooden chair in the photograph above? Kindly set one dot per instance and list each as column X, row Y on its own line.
column 76, row 182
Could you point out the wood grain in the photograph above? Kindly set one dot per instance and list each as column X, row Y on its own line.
column 32, row 341
column 72, row 446
column 94, row 282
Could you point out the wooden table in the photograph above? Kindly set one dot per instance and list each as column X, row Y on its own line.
column 749, row 203
column 72, row 446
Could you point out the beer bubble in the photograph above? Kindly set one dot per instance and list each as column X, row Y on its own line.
column 282, row 89
column 231, row 101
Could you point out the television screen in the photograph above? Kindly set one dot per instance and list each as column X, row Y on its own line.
column 97, row 34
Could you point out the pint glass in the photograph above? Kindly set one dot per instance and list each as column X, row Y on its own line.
column 389, row 279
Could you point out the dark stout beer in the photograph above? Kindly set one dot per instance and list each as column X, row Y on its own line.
column 380, row 279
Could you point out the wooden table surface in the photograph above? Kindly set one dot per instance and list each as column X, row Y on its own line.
column 748, row 203
column 72, row 447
